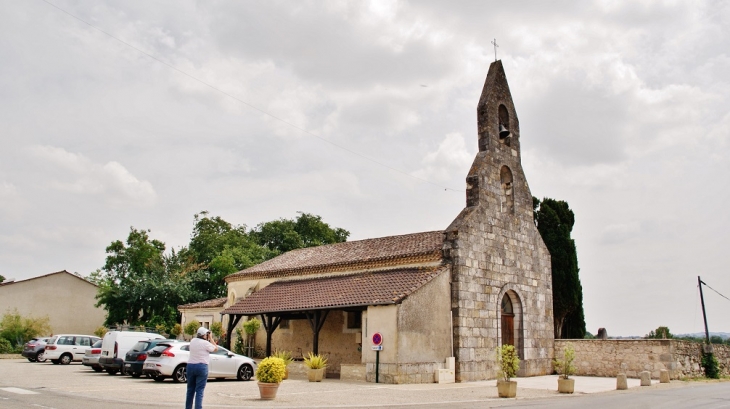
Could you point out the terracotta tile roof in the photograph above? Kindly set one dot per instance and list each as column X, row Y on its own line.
column 6, row 282
column 216, row 302
column 370, row 288
column 380, row 253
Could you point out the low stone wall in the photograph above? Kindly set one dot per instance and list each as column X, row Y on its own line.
column 404, row 373
column 353, row 372
column 596, row 357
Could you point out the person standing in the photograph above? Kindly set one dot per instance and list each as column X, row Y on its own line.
column 197, row 370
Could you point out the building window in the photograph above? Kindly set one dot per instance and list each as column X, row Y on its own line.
column 507, row 203
column 353, row 320
column 285, row 324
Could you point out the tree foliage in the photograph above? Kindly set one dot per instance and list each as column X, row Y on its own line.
column 555, row 221
column 142, row 284
column 660, row 333
column 18, row 330
column 2, row 278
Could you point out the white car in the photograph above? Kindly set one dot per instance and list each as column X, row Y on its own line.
column 66, row 348
column 170, row 360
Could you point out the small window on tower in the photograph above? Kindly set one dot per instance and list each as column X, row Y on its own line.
column 503, row 126
column 508, row 200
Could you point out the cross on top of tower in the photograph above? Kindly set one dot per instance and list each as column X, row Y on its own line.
column 495, row 48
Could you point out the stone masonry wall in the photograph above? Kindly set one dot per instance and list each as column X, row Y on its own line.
column 495, row 249
column 594, row 357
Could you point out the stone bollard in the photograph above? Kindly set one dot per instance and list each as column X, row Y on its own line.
column 645, row 378
column 664, row 376
column 621, row 382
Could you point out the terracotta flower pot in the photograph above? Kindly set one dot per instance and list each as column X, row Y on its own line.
column 566, row 385
column 286, row 373
column 507, row 389
column 268, row 390
column 315, row 375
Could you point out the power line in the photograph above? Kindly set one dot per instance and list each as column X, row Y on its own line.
column 248, row 104
column 718, row 293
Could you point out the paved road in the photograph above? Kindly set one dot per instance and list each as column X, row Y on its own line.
column 33, row 385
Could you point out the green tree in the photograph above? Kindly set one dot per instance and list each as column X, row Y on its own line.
column 140, row 283
column 555, row 221
column 660, row 333
column 221, row 249
column 716, row 339
column 307, row 230
column 18, row 330
column 2, row 278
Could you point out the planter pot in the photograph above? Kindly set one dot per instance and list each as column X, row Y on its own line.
column 315, row 375
column 507, row 389
column 286, row 373
column 566, row 385
column 268, row 390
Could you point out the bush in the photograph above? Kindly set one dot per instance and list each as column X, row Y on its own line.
column 285, row 356
column 271, row 370
column 238, row 346
column 5, row 347
column 217, row 329
column 509, row 362
column 313, row 361
column 100, row 332
column 18, row 330
column 192, row 327
column 251, row 326
column 711, row 366
column 176, row 330
column 565, row 366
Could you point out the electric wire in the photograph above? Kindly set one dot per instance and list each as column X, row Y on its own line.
column 718, row 293
column 312, row 134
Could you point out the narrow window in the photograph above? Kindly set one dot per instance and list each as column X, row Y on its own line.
column 508, row 201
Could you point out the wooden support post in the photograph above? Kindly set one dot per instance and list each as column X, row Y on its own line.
column 271, row 323
column 316, row 321
column 233, row 320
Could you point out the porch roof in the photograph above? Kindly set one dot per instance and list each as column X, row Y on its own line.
column 216, row 302
column 333, row 292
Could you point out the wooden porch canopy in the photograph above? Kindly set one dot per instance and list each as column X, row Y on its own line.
column 314, row 298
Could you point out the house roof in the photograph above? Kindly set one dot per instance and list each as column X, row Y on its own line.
column 216, row 302
column 6, row 282
column 382, row 252
column 334, row 292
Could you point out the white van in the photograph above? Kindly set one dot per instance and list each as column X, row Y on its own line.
column 115, row 346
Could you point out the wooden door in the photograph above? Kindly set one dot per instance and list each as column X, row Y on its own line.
column 508, row 329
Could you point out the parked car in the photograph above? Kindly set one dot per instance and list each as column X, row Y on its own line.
column 135, row 358
column 66, row 348
column 35, row 348
column 91, row 357
column 115, row 346
column 170, row 360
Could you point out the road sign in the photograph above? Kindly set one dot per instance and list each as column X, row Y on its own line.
column 377, row 347
column 377, row 338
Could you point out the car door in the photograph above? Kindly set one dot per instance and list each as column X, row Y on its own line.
column 222, row 365
column 66, row 344
column 81, row 344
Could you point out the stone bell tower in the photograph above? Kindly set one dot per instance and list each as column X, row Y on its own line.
column 501, row 289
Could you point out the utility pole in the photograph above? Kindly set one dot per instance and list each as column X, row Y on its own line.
column 704, row 315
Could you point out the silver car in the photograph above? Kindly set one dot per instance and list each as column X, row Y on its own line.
column 91, row 357
column 170, row 361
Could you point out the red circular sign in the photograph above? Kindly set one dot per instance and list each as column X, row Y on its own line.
column 377, row 338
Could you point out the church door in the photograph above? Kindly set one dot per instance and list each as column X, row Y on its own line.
column 508, row 329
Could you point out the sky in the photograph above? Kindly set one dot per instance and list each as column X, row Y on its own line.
column 122, row 113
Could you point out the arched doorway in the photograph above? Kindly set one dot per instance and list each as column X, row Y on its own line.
column 511, row 320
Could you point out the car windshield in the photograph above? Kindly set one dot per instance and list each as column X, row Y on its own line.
column 140, row 346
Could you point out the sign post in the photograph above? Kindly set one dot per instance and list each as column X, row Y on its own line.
column 377, row 340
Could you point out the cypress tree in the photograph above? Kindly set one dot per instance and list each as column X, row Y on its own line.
column 555, row 221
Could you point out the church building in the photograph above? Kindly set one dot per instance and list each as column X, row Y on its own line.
column 431, row 303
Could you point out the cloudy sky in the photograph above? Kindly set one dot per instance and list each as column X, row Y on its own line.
column 120, row 114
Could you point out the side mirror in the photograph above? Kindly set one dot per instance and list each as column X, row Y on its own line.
column 231, row 354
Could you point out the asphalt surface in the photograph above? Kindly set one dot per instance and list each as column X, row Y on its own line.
column 35, row 385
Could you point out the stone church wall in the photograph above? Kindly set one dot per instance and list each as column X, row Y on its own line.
column 595, row 357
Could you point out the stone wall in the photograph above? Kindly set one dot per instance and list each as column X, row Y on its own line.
column 594, row 357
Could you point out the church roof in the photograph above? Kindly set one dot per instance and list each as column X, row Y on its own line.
column 332, row 292
column 382, row 252
column 216, row 302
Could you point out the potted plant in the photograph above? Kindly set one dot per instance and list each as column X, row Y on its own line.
column 509, row 364
column 287, row 358
column 270, row 374
column 316, row 364
column 565, row 368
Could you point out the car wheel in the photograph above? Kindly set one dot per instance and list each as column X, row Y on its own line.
column 66, row 359
column 179, row 374
column 55, row 361
column 245, row 372
column 31, row 359
column 158, row 378
column 97, row 368
column 135, row 374
column 41, row 356
column 112, row 371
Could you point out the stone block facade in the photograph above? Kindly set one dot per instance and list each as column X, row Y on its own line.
column 496, row 251
column 404, row 373
column 610, row 357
